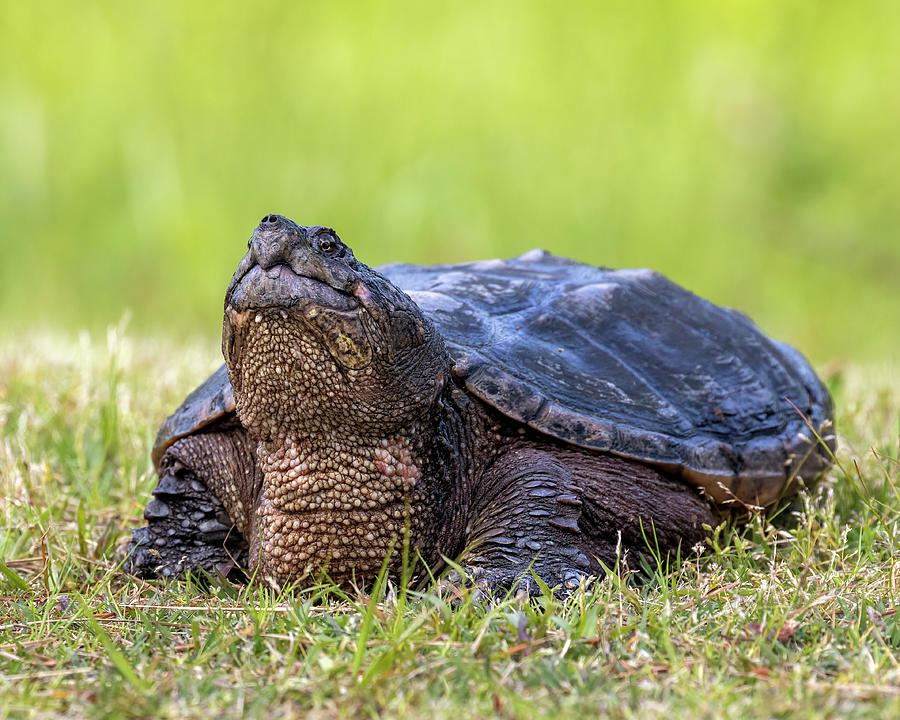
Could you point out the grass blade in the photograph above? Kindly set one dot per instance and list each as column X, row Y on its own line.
column 118, row 660
column 13, row 578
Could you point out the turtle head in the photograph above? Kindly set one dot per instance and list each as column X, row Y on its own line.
column 313, row 337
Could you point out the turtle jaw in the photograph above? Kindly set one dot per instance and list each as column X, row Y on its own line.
column 280, row 287
column 277, row 295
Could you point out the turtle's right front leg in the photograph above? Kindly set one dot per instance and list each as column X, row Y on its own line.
column 204, row 507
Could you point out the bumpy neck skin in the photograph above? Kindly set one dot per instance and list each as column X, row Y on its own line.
column 342, row 503
column 344, row 477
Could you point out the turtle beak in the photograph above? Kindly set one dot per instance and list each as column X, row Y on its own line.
column 279, row 241
column 280, row 268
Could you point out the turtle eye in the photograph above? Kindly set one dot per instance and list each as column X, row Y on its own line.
column 327, row 245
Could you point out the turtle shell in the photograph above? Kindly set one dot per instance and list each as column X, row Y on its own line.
column 619, row 361
column 211, row 401
column 628, row 362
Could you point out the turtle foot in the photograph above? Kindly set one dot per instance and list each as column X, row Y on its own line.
column 188, row 530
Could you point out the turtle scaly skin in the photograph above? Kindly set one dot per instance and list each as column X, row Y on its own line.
column 362, row 415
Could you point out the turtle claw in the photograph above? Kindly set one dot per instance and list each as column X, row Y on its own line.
column 170, row 484
column 156, row 510
column 223, row 569
column 485, row 586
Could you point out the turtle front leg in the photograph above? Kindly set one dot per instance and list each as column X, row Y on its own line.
column 203, row 509
column 563, row 514
column 524, row 518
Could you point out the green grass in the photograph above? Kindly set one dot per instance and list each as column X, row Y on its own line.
column 792, row 619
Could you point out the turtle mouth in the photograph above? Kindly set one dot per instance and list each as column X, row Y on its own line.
column 280, row 286
column 280, row 295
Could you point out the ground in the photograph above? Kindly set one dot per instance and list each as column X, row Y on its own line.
column 792, row 617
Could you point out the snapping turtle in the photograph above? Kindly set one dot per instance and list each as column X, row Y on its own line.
column 533, row 412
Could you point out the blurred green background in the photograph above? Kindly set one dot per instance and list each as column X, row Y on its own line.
column 750, row 150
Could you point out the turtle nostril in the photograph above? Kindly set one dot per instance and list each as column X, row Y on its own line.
column 269, row 220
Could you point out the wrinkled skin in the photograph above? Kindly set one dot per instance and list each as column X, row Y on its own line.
column 352, row 433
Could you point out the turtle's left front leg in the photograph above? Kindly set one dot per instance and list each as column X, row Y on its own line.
column 524, row 517
column 563, row 512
